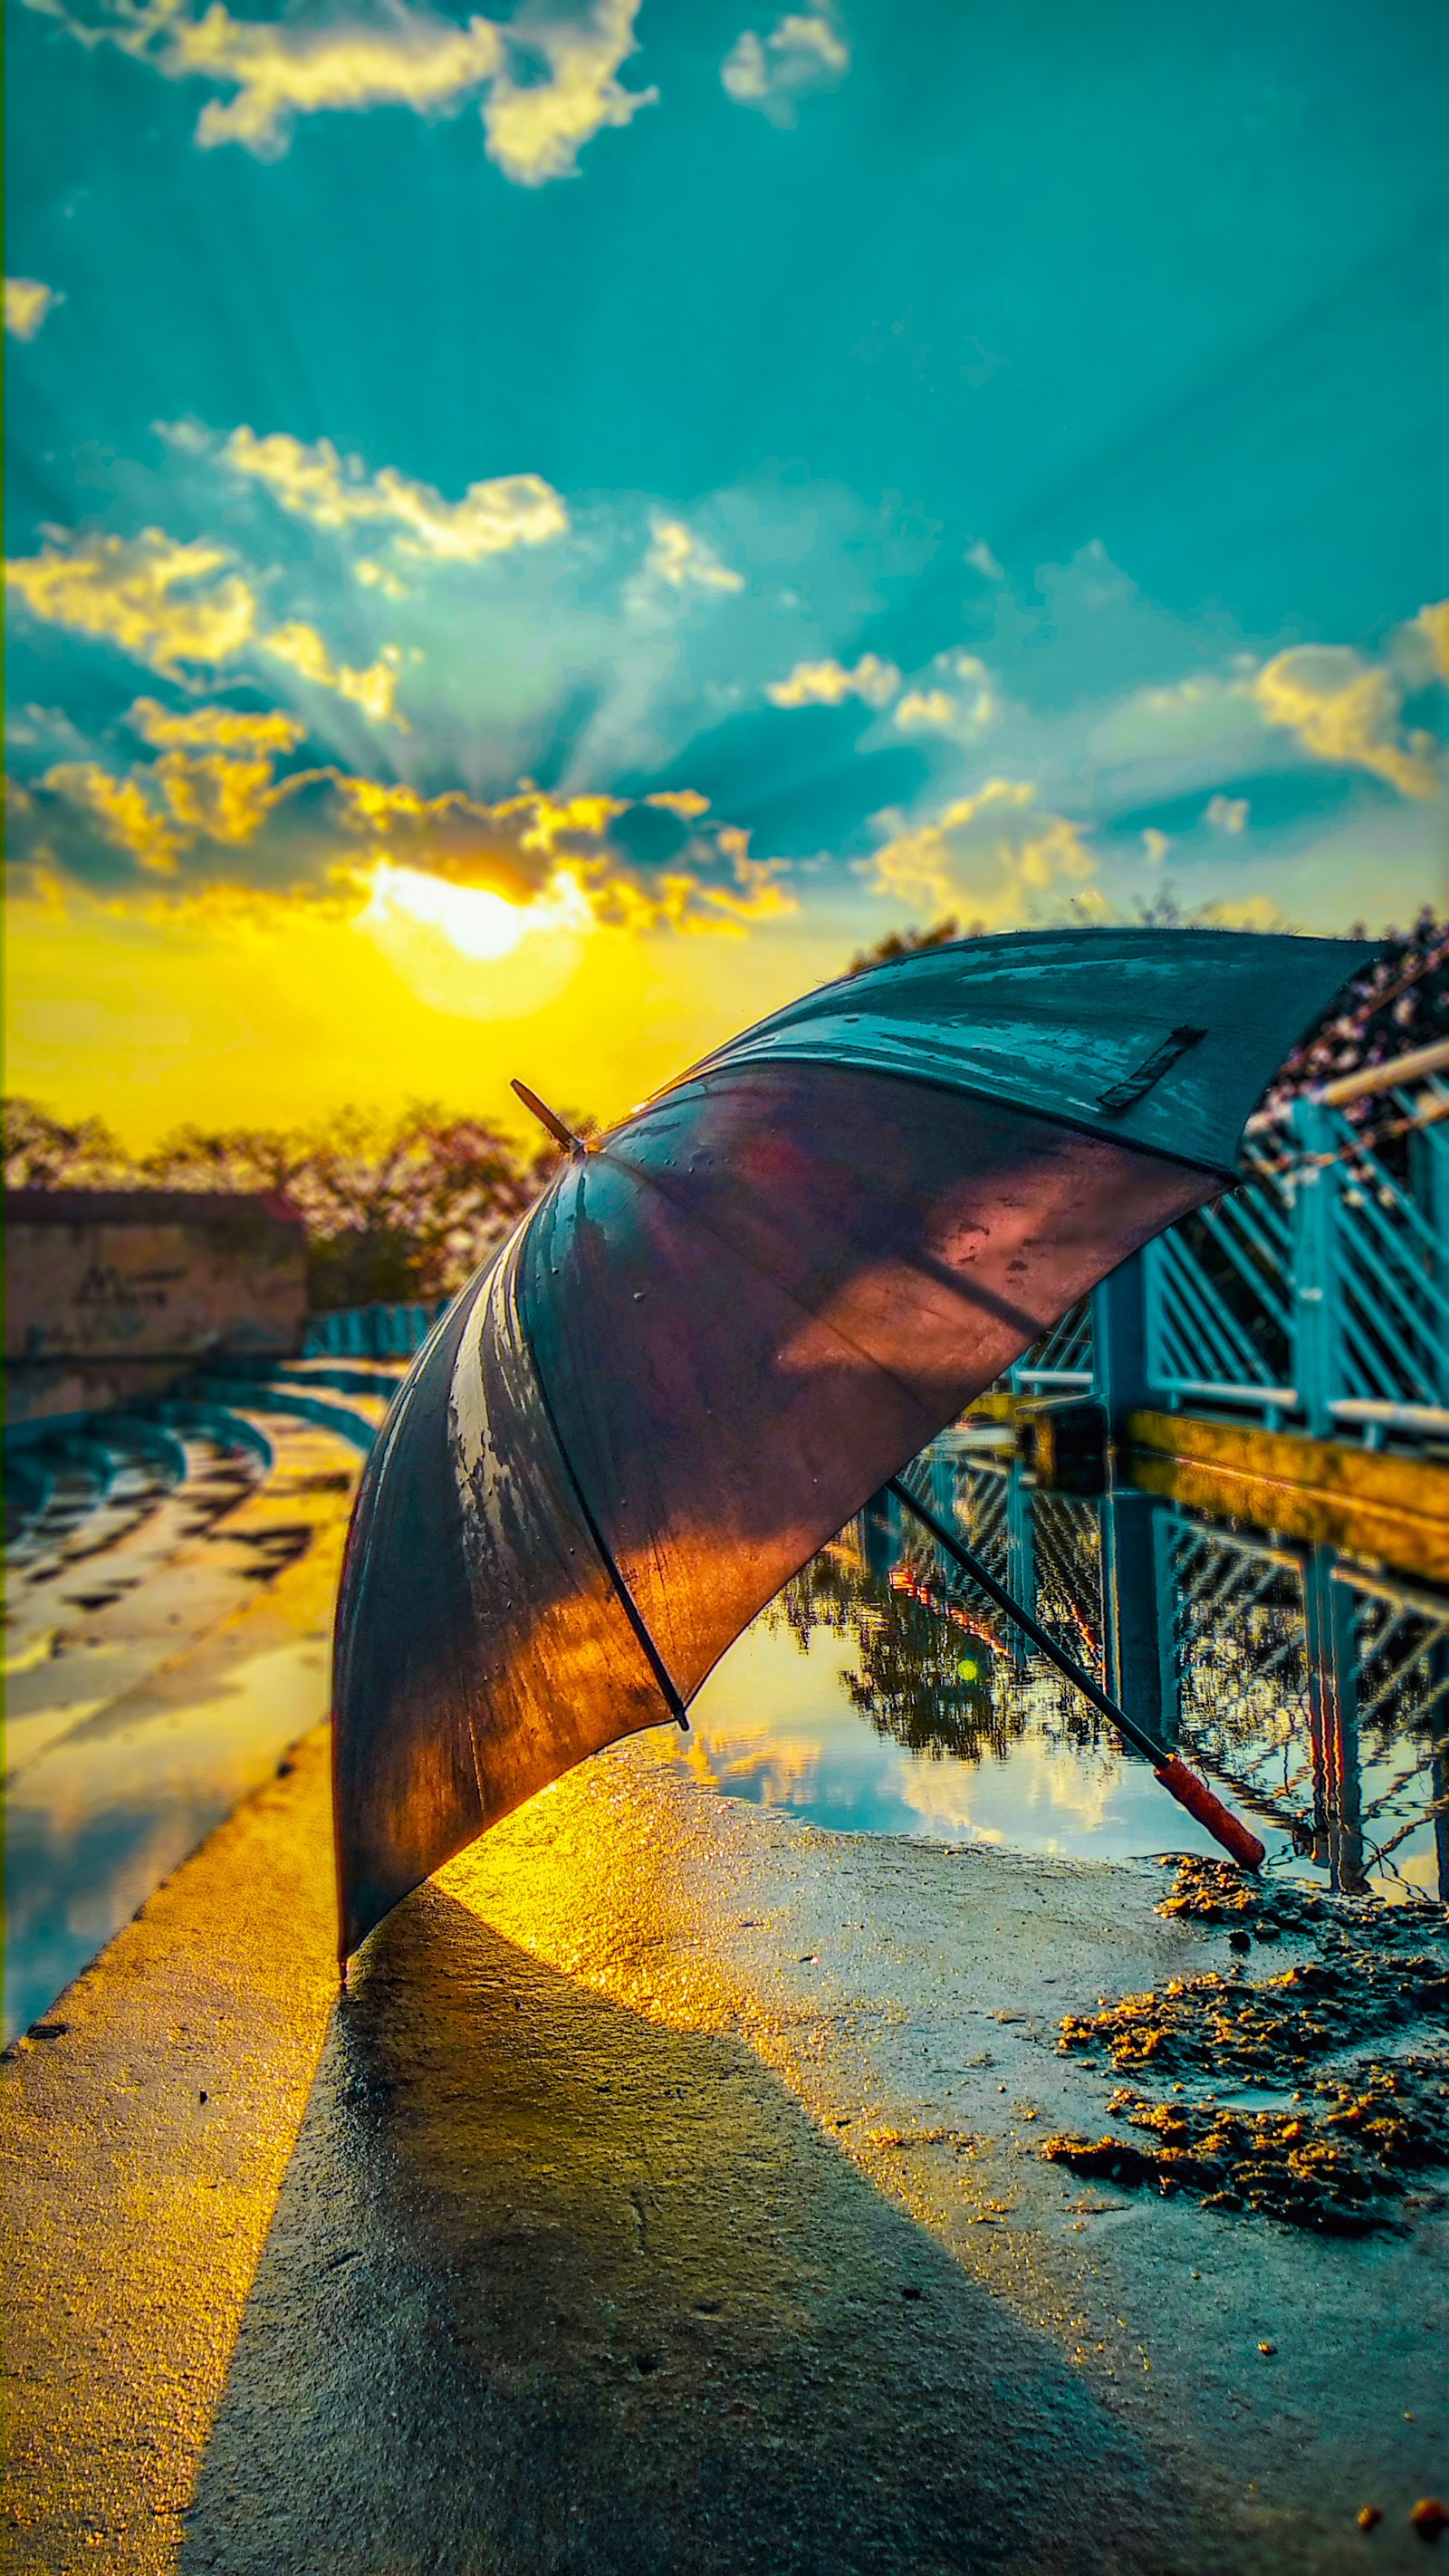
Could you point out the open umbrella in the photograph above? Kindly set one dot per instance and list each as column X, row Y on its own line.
column 731, row 1321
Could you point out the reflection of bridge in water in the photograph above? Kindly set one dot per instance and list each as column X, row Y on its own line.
column 1314, row 1687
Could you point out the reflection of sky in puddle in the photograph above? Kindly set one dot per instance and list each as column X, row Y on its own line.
column 775, row 1724
column 879, row 1694
column 97, row 1821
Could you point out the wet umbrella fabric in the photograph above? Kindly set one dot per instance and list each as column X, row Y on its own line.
column 725, row 1327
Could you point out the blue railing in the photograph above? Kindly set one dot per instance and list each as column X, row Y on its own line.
column 371, row 1332
column 1316, row 1294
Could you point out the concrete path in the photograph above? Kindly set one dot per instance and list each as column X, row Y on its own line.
column 663, row 2198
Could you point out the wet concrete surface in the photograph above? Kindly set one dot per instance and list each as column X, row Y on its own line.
column 162, row 1672
column 666, row 2197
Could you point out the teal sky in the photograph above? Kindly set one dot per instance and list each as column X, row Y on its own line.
column 994, row 456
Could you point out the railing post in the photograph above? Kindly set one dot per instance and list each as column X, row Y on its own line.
column 1333, row 1723
column 1119, row 1343
column 1137, row 1611
column 1429, row 1182
column 1020, row 1559
column 1317, row 1185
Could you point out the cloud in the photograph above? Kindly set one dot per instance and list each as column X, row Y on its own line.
column 1433, row 623
column 1226, row 813
column 549, row 78
column 27, row 303
column 162, row 603
column 536, row 128
column 373, row 690
column 123, row 811
column 1345, row 709
column 993, row 854
column 311, row 483
column 156, row 600
column 965, row 712
column 213, row 728
column 803, row 54
column 215, row 798
column 686, row 802
column 828, row 684
column 680, row 560
column 931, row 709
column 350, row 835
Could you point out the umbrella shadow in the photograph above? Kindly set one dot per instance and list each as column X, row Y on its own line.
column 551, row 2287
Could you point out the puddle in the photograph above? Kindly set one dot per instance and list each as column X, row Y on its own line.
column 882, row 1694
column 96, row 1822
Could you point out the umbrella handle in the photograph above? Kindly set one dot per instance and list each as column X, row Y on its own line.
column 1225, row 1828
column 1177, row 1780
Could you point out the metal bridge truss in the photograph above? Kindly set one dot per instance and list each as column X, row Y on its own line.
column 1316, row 1690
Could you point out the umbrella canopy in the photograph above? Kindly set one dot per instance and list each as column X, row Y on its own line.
column 726, row 1325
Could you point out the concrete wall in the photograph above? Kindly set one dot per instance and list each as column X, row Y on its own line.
column 112, row 1295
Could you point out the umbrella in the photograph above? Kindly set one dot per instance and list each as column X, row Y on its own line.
column 728, row 1323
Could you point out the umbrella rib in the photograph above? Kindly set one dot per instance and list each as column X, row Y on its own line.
column 630, row 1607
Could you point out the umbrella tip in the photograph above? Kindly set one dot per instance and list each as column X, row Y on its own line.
column 561, row 1134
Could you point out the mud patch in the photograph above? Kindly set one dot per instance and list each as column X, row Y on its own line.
column 1345, row 2169
column 1342, row 2156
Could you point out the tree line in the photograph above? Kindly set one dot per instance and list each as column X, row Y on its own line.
column 396, row 1207
column 407, row 1206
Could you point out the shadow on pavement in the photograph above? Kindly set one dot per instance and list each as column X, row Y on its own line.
column 552, row 2287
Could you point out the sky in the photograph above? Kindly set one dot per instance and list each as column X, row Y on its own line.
column 532, row 539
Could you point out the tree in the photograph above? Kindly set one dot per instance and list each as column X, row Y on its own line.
column 395, row 1208
column 1398, row 1004
column 47, row 1153
column 913, row 943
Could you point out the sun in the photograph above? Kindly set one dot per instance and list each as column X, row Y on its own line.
column 476, row 921
column 466, row 950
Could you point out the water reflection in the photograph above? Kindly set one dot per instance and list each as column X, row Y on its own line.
column 882, row 1693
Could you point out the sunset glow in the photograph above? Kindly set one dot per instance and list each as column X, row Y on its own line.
column 450, row 586
column 473, row 919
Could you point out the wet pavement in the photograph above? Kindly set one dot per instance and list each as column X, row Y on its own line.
column 823, row 2144
column 167, row 1638
column 669, row 2194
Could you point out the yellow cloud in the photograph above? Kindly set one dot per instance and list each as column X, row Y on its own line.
column 686, row 802
column 27, row 303
column 213, row 728
column 375, row 576
column 450, row 863
column 934, row 709
column 187, row 795
column 374, row 690
column 683, row 560
column 217, row 798
column 536, row 129
column 992, row 852
column 1242, row 912
column 945, row 710
column 513, row 510
column 828, row 684
column 122, row 810
column 1434, row 623
column 141, row 594
column 281, row 69
column 1344, row 709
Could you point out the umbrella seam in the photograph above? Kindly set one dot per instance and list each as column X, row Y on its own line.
column 669, row 1689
